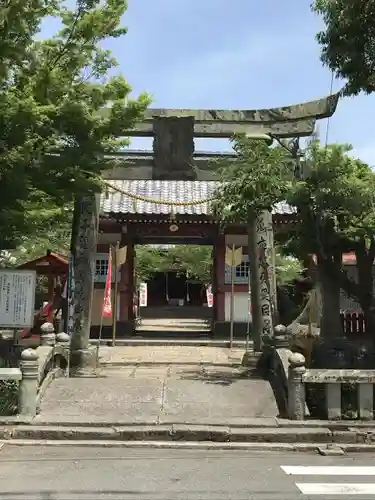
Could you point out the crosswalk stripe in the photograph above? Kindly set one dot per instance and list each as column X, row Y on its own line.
column 336, row 488
column 310, row 470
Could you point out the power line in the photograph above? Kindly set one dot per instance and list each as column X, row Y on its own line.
column 329, row 118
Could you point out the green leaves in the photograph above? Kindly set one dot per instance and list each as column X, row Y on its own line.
column 256, row 180
column 287, row 268
column 338, row 187
column 335, row 200
column 193, row 261
column 62, row 106
column 348, row 41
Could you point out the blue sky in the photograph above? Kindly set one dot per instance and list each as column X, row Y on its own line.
column 241, row 54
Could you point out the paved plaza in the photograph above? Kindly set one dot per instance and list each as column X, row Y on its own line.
column 161, row 384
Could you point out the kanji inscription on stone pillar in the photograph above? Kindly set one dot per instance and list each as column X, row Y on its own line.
column 267, row 290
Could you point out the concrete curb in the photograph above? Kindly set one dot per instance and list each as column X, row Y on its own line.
column 202, row 445
column 233, row 423
column 191, row 434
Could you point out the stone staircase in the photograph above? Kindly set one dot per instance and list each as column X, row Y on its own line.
column 174, row 327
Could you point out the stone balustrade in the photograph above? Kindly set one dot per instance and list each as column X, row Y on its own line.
column 37, row 368
column 299, row 375
column 27, row 377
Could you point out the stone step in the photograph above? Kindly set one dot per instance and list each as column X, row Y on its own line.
column 171, row 342
column 148, row 333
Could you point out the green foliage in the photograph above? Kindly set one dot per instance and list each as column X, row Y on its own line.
column 49, row 229
column 60, row 112
column 17, row 31
column 148, row 261
column 195, row 261
column 288, row 268
column 348, row 41
column 335, row 202
column 8, row 397
column 339, row 189
column 257, row 179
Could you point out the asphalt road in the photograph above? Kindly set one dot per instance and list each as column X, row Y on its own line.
column 76, row 473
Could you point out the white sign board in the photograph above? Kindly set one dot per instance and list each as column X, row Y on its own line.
column 17, row 298
column 143, row 295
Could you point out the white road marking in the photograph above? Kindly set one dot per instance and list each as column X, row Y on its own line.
column 336, row 488
column 321, row 470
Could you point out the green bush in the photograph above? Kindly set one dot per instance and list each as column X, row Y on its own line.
column 8, row 397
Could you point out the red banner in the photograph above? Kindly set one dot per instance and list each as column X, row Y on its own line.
column 107, row 303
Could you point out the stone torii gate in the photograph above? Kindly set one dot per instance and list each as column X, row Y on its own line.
column 174, row 131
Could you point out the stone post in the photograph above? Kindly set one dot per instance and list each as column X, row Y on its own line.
column 365, row 401
column 262, row 278
column 47, row 334
column 28, row 390
column 271, row 261
column 256, row 306
column 296, row 387
column 264, row 242
column 63, row 339
column 333, row 401
column 281, row 339
column 83, row 249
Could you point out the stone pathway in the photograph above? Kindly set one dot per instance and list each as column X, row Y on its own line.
column 163, row 354
column 171, row 391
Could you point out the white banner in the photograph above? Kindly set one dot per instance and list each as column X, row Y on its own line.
column 143, row 295
column 210, row 296
column 17, row 298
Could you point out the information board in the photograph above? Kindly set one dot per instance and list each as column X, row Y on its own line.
column 17, row 298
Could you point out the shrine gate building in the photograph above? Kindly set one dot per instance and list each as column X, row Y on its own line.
column 132, row 219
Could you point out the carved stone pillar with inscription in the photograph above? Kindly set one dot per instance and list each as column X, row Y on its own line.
column 264, row 240
column 262, row 278
column 173, row 148
column 256, row 306
column 271, row 261
column 84, row 247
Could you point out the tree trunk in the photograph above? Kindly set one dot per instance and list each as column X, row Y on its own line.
column 330, row 326
column 331, row 322
column 369, row 314
column 365, row 282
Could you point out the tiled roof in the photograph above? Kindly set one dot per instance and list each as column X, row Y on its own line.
column 176, row 191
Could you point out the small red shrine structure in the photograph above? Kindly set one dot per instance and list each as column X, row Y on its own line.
column 55, row 267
